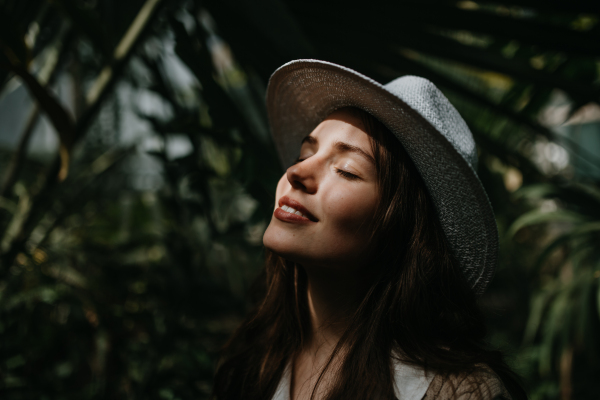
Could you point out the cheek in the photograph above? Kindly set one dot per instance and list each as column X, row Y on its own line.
column 351, row 210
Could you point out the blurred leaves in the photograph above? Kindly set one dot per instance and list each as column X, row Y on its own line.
column 86, row 22
column 565, row 312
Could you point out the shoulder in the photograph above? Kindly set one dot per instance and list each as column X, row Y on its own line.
column 481, row 384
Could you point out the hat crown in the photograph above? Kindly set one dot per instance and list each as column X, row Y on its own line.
column 426, row 99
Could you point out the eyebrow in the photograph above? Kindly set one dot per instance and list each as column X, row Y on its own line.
column 342, row 147
column 309, row 139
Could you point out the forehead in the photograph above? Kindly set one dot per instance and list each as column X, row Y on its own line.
column 345, row 127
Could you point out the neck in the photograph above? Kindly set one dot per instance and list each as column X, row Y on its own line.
column 333, row 296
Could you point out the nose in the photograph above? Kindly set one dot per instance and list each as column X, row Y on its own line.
column 303, row 176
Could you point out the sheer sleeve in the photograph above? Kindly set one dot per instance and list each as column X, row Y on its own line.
column 483, row 384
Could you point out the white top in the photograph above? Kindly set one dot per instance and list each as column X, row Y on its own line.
column 410, row 382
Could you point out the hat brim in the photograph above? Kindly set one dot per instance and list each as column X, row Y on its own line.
column 302, row 93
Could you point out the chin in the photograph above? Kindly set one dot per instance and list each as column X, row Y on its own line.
column 280, row 245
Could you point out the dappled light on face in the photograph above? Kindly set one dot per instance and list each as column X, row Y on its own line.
column 333, row 187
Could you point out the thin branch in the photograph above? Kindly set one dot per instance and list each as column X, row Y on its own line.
column 16, row 163
column 58, row 115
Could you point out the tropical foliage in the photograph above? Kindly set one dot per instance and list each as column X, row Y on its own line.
column 127, row 257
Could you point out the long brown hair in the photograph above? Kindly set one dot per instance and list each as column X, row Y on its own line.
column 419, row 305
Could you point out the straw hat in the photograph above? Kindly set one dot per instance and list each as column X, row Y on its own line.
column 303, row 93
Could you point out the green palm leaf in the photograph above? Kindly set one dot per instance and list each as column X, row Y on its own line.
column 537, row 217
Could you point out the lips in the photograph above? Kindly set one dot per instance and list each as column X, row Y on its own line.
column 289, row 209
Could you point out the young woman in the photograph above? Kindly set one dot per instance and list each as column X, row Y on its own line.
column 381, row 239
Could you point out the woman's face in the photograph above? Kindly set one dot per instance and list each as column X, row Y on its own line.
column 334, row 188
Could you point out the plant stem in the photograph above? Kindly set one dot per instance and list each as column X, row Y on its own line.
column 566, row 366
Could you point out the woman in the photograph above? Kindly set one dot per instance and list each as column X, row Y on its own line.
column 381, row 239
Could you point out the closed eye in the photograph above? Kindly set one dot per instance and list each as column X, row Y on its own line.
column 343, row 173
column 347, row 174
